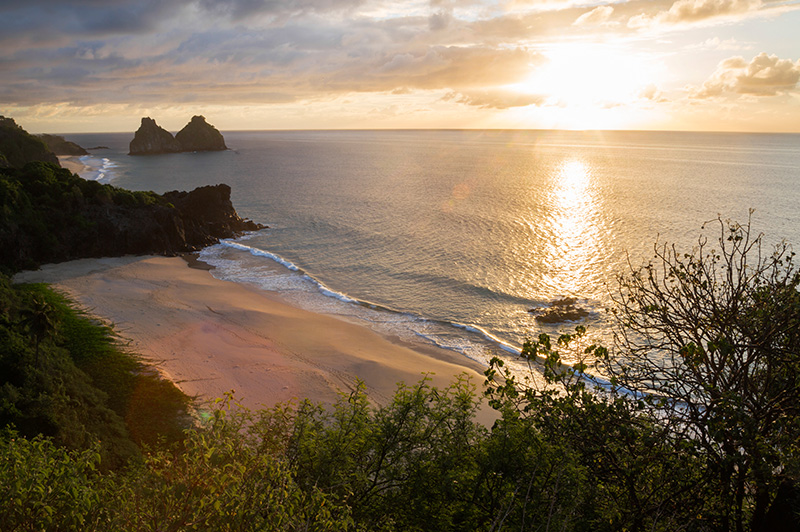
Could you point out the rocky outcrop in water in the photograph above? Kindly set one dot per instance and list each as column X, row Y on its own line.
column 61, row 146
column 151, row 139
column 559, row 311
column 199, row 135
column 18, row 147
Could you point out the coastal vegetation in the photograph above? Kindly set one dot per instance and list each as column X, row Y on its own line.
column 65, row 377
column 18, row 147
column 705, row 439
column 51, row 215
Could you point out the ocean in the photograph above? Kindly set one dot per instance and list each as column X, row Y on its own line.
column 453, row 237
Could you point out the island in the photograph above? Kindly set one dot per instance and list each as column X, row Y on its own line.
column 197, row 135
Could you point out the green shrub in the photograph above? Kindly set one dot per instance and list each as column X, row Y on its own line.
column 45, row 487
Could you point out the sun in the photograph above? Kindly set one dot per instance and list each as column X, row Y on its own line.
column 591, row 74
column 590, row 84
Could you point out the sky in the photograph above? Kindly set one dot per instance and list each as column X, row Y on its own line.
column 72, row 66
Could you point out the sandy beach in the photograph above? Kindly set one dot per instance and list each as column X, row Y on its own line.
column 211, row 337
column 73, row 164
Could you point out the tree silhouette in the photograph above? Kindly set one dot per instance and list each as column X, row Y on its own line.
column 39, row 319
column 715, row 335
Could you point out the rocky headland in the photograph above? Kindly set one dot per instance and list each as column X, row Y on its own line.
column 61, row 146
column 197, row 135
column 18, row 147
column 55, row 216
column 48, row 214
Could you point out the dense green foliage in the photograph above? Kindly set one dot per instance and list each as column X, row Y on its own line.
column 570, row 451
column 64, row 376
column 61, row 146
column 43, row 206
column 18, row 147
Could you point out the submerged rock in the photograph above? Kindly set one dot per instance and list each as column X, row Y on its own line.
column 199, row 135
column 151, row 139
column 559, row 311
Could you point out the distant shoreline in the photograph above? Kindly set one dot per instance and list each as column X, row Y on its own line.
column 73, row 164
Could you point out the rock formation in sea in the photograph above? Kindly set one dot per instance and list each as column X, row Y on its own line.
column 61, row 146
column 151, row 139
column 559, row 311
column 199, row 135
column 18, row 147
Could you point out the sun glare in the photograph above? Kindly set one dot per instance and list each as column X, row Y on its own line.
column 590, row 86
column 585, row 75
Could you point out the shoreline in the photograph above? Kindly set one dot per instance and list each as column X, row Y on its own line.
column 74, row 164
column 210, row 336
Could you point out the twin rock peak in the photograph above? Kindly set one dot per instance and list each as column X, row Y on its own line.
column 197, row 135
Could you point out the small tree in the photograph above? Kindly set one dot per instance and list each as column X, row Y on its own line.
column 40, row 321
column 625, row 470
column 713, row 338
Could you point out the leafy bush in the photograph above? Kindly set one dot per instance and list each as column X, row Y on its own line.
column 44, row 487
column 408, row 466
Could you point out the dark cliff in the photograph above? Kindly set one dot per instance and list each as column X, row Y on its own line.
column 61, row 146
column 199, row 135
column 48, row 214
column 18, row 147
column 150, row 138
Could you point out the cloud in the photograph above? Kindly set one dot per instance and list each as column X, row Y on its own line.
column 48, row 20
column 651, row 92
column 496, row 99
column 243, row 9
column 693, row 11
column 256, row 63
column 715, row 43
column 596, row 16
column 764, row 75
column 440, row 20
column 145, row 53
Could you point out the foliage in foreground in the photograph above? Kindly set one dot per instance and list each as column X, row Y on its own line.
column 706, row 440
column 716, row 335
column 698, row 424
column 64, row 376
column 419, row 463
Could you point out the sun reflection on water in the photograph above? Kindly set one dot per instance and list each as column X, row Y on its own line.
column 572, row 240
